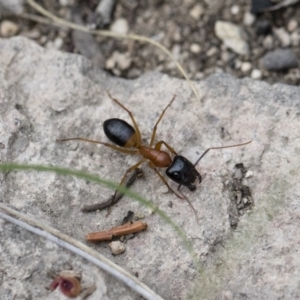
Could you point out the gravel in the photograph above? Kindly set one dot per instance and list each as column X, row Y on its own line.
column 184, row 27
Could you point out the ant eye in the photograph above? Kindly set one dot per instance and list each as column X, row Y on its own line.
column 176, row 175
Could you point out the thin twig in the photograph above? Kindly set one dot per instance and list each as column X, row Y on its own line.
column 36, row 18
column 108, row 235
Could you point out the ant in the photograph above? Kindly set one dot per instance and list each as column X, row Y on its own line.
column 128, row 140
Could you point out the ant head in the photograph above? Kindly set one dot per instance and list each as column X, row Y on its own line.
column 183, row 172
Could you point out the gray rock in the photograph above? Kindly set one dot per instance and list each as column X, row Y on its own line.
column 46, row 95
column 279, row 60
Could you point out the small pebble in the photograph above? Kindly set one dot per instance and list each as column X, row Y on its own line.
column 295, row 38
column 120, row 26
column 8, row 28
column 235, row 9
column 248, row 174
column 246, row 67
column 237, row 64
column 292, row 25
column 65, row 2
column 211, row 51
column 268, row 42
column 249, row 19
column 226, row 56
column 120, row 60
column 195, row 48
column 110, row 63
column 232, row 36
column 245, row 200
column 196, row 12
column 283, row 36
column 58, row 42
column 279, row 60
column 124, row 61
column 43, row 39
column 117, row 247
column 256, row 74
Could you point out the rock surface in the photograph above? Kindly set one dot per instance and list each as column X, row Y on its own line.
column 46, row 95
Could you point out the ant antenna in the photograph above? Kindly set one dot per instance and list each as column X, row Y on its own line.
column 213, row 148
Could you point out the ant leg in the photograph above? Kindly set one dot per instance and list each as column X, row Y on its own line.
column 127, row 151
column 181, row 196
column 159, row 119
column 126, row 173
column 165, row 182
column 136, row 127
column 159, row 144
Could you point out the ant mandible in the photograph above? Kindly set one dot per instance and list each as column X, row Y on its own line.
column 128, row 140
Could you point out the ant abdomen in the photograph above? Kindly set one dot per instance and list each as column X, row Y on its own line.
column 120, row 132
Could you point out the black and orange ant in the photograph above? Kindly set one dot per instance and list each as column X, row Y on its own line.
column 128, row 140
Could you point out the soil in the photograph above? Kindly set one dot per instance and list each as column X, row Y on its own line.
column 185, row 27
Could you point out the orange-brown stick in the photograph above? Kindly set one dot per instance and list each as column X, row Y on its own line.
column 125, row 229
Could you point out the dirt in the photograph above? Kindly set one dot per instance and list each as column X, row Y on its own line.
column 186, row 28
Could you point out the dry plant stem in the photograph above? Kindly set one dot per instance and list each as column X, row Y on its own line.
column 78, row 248
column 137, row 173
column 37, row 19
column 107, row 235
column 107, row 33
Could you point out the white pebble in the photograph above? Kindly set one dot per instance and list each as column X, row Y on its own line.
column 235, row 9
column 232, row 36
column 65, row 2
column 120, row 26
column 195, row 48
column 110, row 63
column 196, row 12
column 292, row 25
column 8, row 28
column 124, row 61
column 283, row 36
column 117, row 247
column 256, row 74
column 237, row 64
column 246, row 67
column 268, row 42
column 295, row 38
column 58, row 42
column 212, row 51
column 119, row 60
column 248, row 174
column 249, row 19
